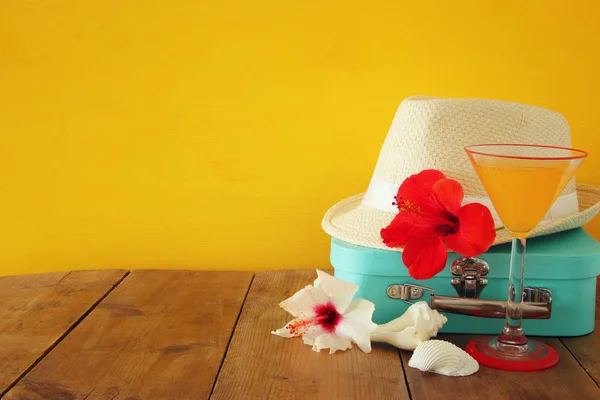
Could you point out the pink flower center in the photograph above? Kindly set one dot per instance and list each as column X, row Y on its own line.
column 327, row 316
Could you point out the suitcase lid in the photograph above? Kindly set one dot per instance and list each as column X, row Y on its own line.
column 572, row 254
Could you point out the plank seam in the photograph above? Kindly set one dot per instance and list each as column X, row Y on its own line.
column 237, row 320
column 62, row 337
column 61, row 279
column 405, row 375
column 578, row 362
column 88, row 395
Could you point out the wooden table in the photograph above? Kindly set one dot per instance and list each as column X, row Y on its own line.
column 197, row 335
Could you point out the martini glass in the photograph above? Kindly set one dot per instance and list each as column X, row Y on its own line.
column 522, row 182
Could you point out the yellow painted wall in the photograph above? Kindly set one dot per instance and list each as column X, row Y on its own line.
column 215, row 134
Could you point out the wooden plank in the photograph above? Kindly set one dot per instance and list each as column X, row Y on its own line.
column 565, row 381
column 259, row 365
column 158, row 335
column 586, row 349
column 37, row 310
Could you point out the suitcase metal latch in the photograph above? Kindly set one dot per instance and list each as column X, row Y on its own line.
column 468, row 276
column 468, row 281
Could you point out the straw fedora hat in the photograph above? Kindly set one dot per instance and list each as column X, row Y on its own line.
column 431, row 133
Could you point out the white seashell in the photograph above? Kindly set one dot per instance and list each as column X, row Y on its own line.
column 418, row 324
column 441, row 357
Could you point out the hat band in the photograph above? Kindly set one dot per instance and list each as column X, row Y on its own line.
column 380, row 195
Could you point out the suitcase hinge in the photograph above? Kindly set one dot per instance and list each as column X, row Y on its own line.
column 407, row 292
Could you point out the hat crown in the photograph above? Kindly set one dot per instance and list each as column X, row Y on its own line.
column 431, row 133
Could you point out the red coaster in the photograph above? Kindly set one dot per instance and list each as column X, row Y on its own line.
column 539, row 356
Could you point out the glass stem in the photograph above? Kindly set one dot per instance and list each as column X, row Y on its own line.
column 512, row 339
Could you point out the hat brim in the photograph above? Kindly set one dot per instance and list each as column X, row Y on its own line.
column 349, row 220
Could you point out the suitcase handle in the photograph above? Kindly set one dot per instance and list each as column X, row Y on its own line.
column 468, row 279
column 537, row 302
column 489, row 308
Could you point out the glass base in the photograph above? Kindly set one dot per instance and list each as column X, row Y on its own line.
column 535, row 357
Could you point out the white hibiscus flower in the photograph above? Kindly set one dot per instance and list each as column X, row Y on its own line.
column 327, row 317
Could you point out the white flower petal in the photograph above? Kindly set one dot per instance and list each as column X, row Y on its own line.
column 312, row 334
column 301, row 304
column 285, row 332
column 319, row 339
column 332, row 342
column 357, row 323
column 340, row 291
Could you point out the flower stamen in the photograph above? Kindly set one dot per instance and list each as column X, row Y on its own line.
column 299, row 326
column 406, row 206
column 326, row 316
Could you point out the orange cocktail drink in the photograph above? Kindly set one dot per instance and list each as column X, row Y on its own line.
column 523, row 182
column 522, row 191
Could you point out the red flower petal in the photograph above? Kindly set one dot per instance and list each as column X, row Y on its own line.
column 449, row 193
column 419, row 185
column 424, row 256
column 418, row 190
column 403, row 228
column 476, row 231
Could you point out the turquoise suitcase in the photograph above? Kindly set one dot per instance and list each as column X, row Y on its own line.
column 560, row 281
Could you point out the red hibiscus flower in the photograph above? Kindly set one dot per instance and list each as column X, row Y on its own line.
column 431, row 219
